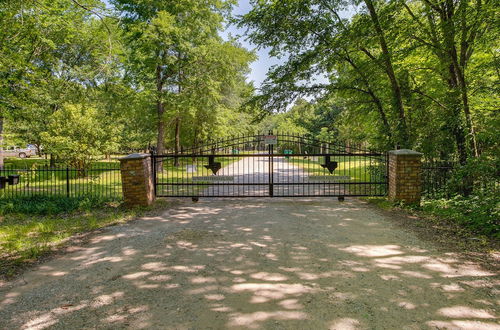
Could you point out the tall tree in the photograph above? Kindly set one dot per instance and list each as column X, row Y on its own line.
column 317, row 38
column 402, row 63
column 52, row 51
column 176, row 55
column 450, row 30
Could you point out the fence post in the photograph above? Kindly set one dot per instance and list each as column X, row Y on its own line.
column 67, row 181
column 137, row 180
column 405, row 182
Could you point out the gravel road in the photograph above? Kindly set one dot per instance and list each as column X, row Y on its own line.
column 254, row 263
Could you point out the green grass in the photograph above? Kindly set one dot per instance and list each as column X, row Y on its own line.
column 381, row 202
column 359, row 169
column 31, row 228
column 478, row 213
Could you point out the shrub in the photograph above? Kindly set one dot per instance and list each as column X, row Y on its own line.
column 480, row 175
column 479, row 212
column 48, row 205
column 78, row 134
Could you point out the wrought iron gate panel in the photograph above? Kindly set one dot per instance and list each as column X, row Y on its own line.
column 294, row 167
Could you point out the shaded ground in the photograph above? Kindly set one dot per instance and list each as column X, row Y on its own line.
column 255, row 263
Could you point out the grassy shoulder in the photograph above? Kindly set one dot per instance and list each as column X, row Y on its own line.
column 31, row 228
column 468, row 226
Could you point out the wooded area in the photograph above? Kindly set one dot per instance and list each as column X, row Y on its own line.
column 83, row 78
column 413, row 74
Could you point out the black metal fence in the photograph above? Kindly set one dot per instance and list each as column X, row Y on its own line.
column 438, row 180
column 101, row 180
column 435, row 176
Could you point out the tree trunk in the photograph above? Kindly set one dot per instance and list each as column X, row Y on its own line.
column 177, row 139
column 402, row 131
column 450, row 61
column 468, row 118
column 160, row 141
column 52, row 161
column 453, row 67
column 160, row 144
column 160, row 110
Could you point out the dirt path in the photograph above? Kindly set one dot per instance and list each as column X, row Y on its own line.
column 255, row 263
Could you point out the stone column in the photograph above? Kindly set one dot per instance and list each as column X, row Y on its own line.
column 405, row 182
column 137, row 180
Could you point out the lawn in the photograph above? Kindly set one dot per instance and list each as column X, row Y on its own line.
column 355, row 169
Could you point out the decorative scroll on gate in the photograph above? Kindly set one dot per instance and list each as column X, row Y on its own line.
column 279, row 165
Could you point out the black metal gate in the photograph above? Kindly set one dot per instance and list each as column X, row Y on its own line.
column 279, row 165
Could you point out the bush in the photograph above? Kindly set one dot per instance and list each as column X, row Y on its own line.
column 469, row 195
column 479, row 212
column 48, row 205
column 79, row 134
column 478, row 176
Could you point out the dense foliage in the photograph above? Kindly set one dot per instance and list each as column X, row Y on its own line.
column 420, row 74
column 81, row 79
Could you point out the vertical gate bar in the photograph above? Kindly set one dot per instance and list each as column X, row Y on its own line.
column 386, row 173
column 269, row 170
column 245, row 139
column 271, row 192
column 308, row 171
column 370, row 190
column 325, row 183
column 348, row 171
column 368, row 172
column 217, row 192
column 183, row 176
column 153, row 170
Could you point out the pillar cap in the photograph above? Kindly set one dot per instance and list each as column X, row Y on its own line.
column 135, row 156
column 405, row 152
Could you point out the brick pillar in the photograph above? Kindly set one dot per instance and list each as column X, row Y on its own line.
column 405, row 183
column 137, row 180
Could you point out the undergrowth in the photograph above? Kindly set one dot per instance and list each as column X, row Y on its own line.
column 477, row 214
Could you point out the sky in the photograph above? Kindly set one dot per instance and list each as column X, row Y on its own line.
column 260, row 67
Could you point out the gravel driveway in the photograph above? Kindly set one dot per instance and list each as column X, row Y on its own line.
column 254, row 263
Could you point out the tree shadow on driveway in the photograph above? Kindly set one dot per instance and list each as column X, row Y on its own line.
column 255, row 263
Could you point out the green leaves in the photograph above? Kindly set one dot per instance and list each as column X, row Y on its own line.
column 405, row 73
column 177, row 56
column 77, row 135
